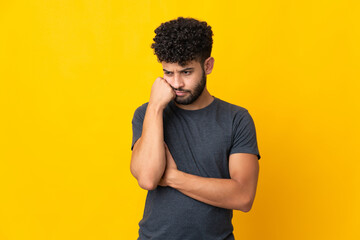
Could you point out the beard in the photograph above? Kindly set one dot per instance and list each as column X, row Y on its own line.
column 194, row 94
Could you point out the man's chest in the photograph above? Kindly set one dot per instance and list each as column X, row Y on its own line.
column 199, row 146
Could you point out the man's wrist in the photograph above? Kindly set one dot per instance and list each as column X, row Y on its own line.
column 174, row 178
column 156, row 107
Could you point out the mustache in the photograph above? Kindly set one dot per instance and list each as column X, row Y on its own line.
column 180, row 89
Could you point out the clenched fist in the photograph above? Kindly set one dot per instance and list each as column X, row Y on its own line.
column 161, row 93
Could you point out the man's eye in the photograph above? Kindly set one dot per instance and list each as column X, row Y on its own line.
column 167, row 73
column 186, row 72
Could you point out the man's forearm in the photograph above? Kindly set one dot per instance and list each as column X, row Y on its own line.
column 224, row 193
column 148, row 157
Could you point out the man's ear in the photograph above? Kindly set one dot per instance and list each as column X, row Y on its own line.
column 209, row 65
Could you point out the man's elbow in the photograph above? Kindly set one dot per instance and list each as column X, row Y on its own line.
column 147, row 184
column 244, row 205
column 247, row 207
column 145, row 180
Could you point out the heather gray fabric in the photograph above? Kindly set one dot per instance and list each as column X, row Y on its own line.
column 200, row 142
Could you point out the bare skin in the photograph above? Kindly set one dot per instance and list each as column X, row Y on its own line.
column 148, row 157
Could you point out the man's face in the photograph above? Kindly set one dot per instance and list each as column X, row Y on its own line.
column 187, row 81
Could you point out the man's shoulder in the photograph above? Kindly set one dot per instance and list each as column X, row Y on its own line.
column 140, row 111
column 233, row 108
column 142, row 108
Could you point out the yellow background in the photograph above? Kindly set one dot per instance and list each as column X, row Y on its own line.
column 73, row 72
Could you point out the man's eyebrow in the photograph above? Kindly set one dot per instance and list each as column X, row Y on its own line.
column 187, row 69
column 182, row 70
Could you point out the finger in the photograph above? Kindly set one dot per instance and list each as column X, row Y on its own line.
column 168, row 153
column 166, row 149
column 162, row 183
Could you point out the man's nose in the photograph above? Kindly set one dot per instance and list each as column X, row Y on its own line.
column 178, row 81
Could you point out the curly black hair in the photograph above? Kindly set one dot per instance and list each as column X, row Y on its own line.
column 183, row 40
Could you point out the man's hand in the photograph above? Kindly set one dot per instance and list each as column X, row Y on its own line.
column 169, row 170
column 161, row 93
column 238, row 192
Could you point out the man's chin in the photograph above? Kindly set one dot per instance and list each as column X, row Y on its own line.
column 183, row 101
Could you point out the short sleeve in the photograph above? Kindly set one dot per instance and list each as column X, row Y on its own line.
column 137, row 123
column 244, row 135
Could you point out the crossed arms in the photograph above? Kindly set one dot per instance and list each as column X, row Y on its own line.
column 153, row 165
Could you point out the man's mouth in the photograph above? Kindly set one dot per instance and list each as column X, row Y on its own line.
column 180, row 93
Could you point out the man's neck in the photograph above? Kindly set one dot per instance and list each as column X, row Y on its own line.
column 203, row 101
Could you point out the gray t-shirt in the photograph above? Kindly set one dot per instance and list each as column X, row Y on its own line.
column 200, row 142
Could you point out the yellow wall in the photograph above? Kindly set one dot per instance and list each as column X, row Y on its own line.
column 73, row 72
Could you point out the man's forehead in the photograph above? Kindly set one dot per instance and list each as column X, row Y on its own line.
column 177, row 66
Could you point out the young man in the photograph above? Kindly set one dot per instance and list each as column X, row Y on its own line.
column 196, row 154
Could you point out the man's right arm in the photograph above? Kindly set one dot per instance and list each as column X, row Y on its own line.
column 148, row 158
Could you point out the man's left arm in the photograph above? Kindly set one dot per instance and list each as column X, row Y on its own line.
column 238, row 192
